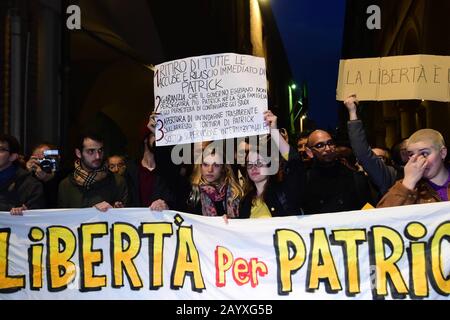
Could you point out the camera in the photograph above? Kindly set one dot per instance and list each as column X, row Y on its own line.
column 49, row 163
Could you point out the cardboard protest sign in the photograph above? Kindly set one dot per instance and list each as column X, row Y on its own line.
column 133, row 253
column 424, row 77
column 209, row 98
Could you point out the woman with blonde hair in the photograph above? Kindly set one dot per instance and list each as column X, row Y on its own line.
column 427, row 178
column 215, row 190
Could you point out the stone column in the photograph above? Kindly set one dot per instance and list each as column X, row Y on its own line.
column 256, row 35
column 48, row 106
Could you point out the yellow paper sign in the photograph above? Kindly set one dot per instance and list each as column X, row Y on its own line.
column 424, row 77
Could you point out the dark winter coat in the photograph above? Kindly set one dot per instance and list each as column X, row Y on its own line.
column 334, row 188
column 22, row 189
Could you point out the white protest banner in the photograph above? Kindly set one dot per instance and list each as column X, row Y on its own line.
column 424, row 77
column 392, row 253
column 209, row 98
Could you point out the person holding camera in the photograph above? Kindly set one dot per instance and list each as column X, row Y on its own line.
column 19, row 191
column 44, row 166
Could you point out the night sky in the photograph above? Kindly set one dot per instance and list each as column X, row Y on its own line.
column 312, row 35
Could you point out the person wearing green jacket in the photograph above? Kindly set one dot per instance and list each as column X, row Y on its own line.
column 91, row 184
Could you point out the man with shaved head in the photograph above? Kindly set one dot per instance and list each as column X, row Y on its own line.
column 331, row 186
column 326, row 185
column 321, row 146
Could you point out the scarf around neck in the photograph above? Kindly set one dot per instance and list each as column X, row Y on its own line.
column 86, row 179
column 210, row 194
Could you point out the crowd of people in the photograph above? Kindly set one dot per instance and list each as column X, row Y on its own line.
column 318, row 176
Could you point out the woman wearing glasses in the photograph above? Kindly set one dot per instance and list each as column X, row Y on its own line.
column 266, row 192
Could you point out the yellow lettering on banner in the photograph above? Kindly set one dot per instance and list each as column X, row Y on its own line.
column 439, row 281
column 61, row 244
column 350, row 239
column 36, row 265
column 418, row 282
column 241, row 272
column 418, row 272
column 89, row 257
column 156, row 233
column 8, row 284
column 187, row 261
column 385, row 267
column 321, row 264
column 122, row 257
column 223, row 261
column 35, row 256
column 287, row 241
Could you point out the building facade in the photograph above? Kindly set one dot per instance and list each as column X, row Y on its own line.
column 407, row 27
column 57, row 81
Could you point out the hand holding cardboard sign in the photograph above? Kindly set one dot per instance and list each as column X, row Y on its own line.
column 351, row 103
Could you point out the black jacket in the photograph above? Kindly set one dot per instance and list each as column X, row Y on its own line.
column 197, row 208
column 282, row 198
column 276, row 200
column 161, row 189
column 51, row 188
column 334, row 188
column 382, row 175
column 21, row 189
column 175, row 187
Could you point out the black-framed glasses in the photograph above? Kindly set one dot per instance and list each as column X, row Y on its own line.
column 322, row 145
column 257, row 164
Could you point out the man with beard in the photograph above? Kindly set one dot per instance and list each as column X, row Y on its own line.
column 327, row 185
column 91, row 183
column 301, row 147
column 148, row 186
column 331, row 186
